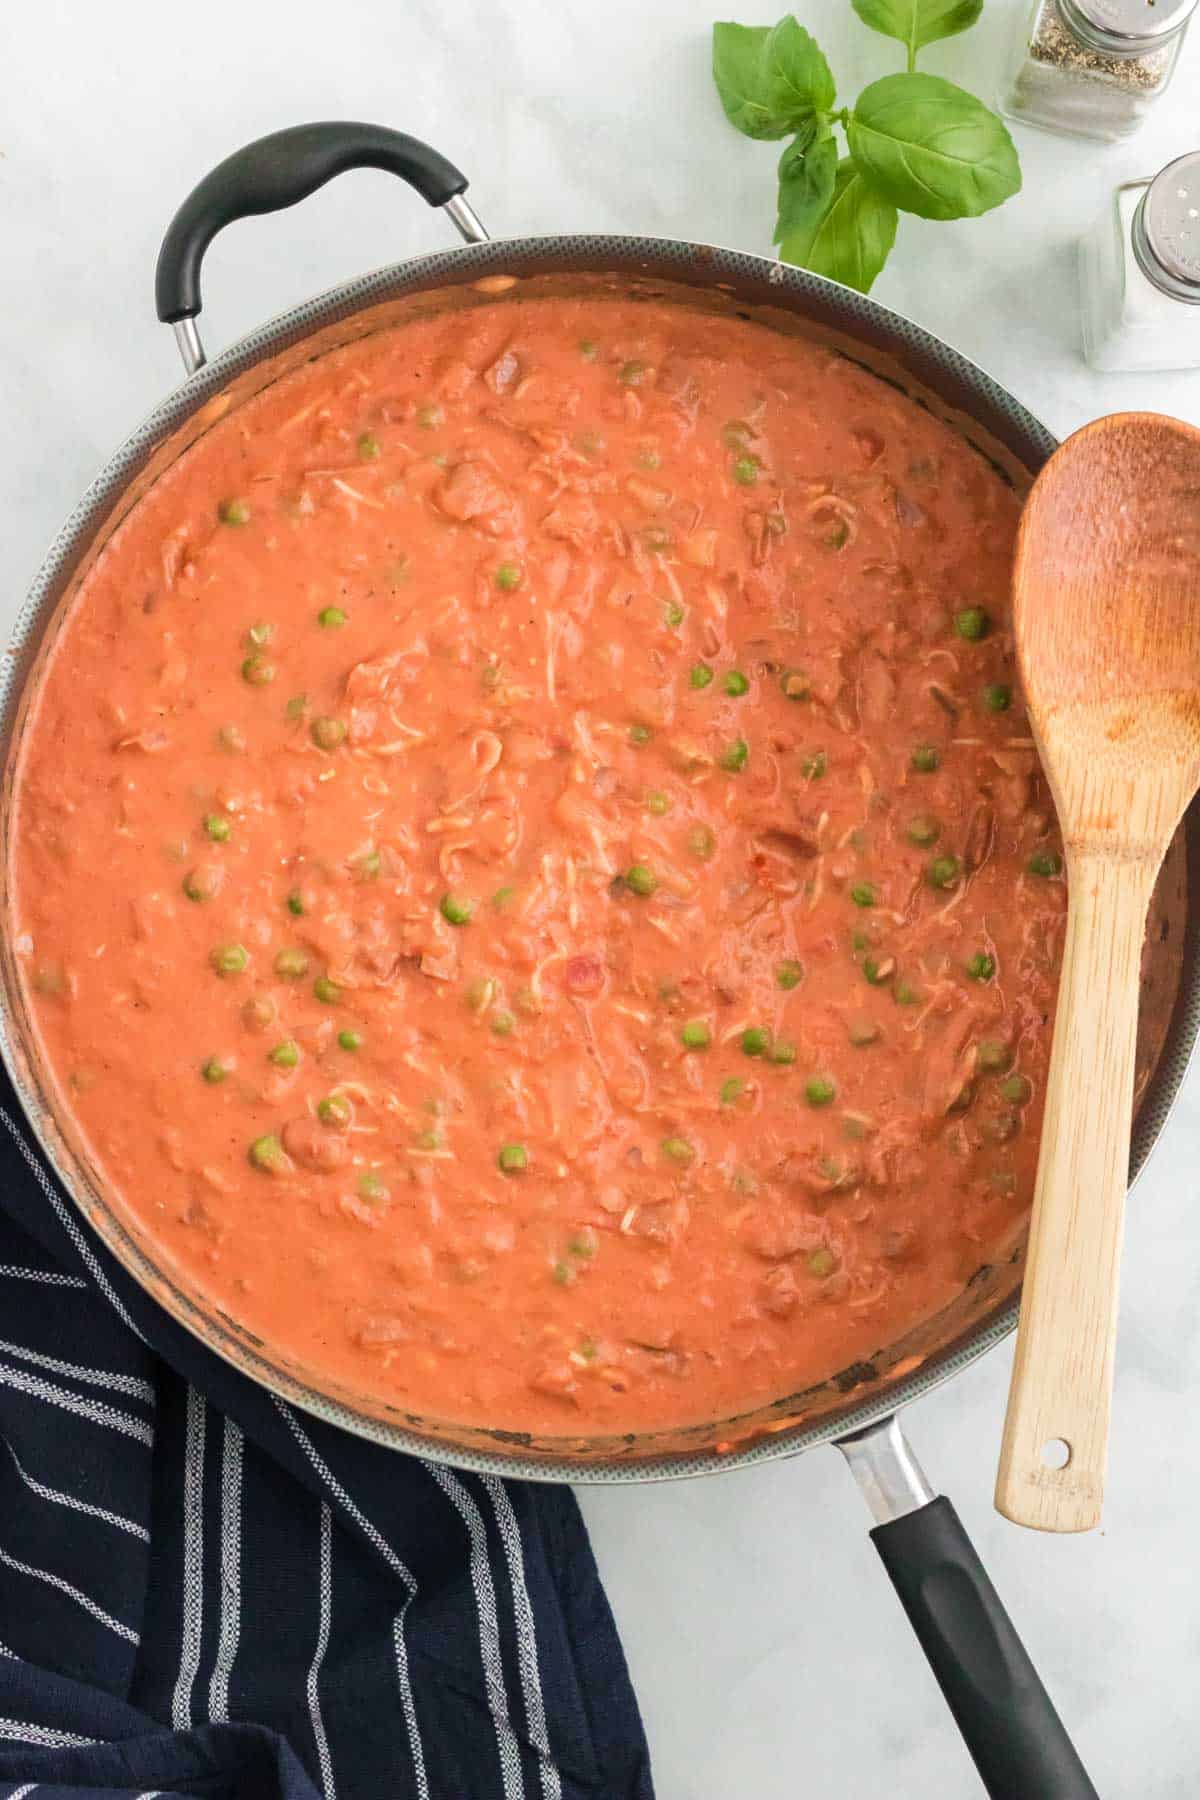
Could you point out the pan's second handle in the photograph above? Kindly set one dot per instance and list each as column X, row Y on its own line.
column 279, row 171
column 1006, row 1717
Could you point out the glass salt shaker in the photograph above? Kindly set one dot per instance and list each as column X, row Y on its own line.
column 1139, row 269
column 1094, row 68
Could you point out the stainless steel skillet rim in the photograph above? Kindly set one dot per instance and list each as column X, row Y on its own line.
column 760, row 282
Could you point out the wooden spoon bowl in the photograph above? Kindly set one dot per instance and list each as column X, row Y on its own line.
column 1107, row 617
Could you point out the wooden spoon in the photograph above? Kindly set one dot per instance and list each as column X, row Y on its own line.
column 1107, row 619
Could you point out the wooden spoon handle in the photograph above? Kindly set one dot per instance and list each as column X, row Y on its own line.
column 1062, row 1374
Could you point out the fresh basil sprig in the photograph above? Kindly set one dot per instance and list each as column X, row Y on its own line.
column 915, row 142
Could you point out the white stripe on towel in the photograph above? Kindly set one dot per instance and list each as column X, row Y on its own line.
column 124, row 1384
column 192, row 1611
column 385, row 1550
column 72, row 1593
column 489, row 1629
column 82, row 1506
column 527, row 1651
column 69, row 1225
column 231, row 1573
column 98, row 1411
column 324, row 1619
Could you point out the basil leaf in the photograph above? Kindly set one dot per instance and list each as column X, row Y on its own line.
column 932, row 148
column 771, row 79
column 807, row 172
column 849, row 242
column 918, row 22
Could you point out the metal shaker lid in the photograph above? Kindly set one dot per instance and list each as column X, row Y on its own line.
column 1166, row 234
column 1126, row 27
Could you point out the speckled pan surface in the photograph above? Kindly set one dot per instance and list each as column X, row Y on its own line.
column 787, row 299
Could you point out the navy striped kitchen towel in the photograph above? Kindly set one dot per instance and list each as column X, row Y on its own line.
column 205, row 1592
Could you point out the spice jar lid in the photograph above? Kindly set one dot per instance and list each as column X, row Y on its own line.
column 1166, row 236
column 1126, row 27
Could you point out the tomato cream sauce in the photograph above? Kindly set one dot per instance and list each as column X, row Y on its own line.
column 533, row 878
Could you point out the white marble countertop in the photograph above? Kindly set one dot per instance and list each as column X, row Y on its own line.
column 770, row 1655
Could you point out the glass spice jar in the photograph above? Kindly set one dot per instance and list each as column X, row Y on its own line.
column 1139, row 270
column 1094, row 68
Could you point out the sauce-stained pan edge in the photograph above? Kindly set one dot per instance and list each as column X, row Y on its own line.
column 787, row 300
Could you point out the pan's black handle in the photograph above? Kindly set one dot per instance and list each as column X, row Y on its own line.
column 278, row 171
column 1007, row 1718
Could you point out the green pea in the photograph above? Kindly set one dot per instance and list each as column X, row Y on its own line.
column 735, row 684
column 512, row 1158
column 700, row 676
column 695, row 1035
column 733, row 759
column 640, row 734
column 296, row 707
column 677, row 1150
column 755, row 1041
column 296, row 903
column 503, row 1023
column 588, row 349
column 201, row 884
column 563, row 1274
column 285, row 1055
column 331, row 618
column 508, row 577
column 993, row 1055
column 904, row 994
column 257, row 670
column 502, row 898
column 789, row 975
column 657, row 803
column 326, row 991
column 924, row 830
column 783, row 1052
column 368, row 447
column 877, row 972
column 267, row 1153
column 745, row 470
column 350, row 1040
column 819, row 1090
column 229, row 959
column 673, row 614
column 822, row 1263
column 641, row 879
column 371, row 1188
column 731, row 1090
column 814, row 765
column 217, row 827
column 981, row 966
column 630, row 373
column 327, row 733
column 291, row 964
column 795, row 685
column 925, row 759
column 214, row 1070
column 234, row 512
column 334, row 1111
column 863, row 894
column 701, row 842
column 1016, row 1090
column 972, row 624
column 997, row 696
column 1045, row 863
column 943, row 872
column 456, row 909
